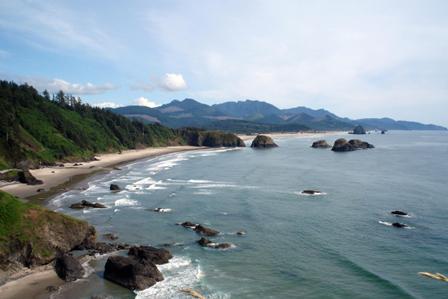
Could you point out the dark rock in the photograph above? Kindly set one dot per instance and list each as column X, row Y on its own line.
column 320, row 144
column 114, row 187
column 103, row 247
column 359, row 130
column 110, row 236
column 26, row 177
column 68, row 268
column 311, row 192
column 207, row 243
column 188, row 224
column 116, row 168
column 241, row 233
column 51, row 289
column 205, row 231
column 342, row 145
column 399, row 213
column 87, row 204
column 383, row 132
column 263, row 141
column 60, row 165
column 155, row 255
column 399, row 225
column 132, row 273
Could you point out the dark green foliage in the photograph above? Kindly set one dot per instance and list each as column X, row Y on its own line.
column 198, row 137
column 34, row 128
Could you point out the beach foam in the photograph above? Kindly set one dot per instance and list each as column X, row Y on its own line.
column 123, row 202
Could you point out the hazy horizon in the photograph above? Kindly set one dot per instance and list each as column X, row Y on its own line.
column 357, row 60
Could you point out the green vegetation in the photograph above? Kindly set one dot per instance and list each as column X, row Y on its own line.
column 32, row 234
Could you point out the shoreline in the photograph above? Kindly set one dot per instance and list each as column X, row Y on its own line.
column 56, row 179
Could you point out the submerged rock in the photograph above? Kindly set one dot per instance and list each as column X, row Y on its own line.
column 320, row 144
column 68, row 268
column 399, row 213
column 359, row 130
column 188, row 224
column 342, row 145
column 263, row 141
column 87, row 204
column 114, row 187
column 241, row 233
column 205, row 231
column 207, row 243
column 155, row 255
column 399, row 225
column 132, row 273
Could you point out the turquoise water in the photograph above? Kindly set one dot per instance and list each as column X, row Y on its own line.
column 329, row 246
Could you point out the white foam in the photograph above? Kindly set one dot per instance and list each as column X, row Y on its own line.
column 162, row 210
column 179, row 273
column 385, row 223
column 125, row 202
column 203, row 192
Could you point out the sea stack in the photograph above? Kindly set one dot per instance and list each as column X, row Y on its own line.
column 320, row 144
column 359, row 130
column 263, row 141
column 342, row 145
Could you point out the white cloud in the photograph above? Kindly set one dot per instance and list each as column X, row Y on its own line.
column 142, row 101
column 56, row 85
column 106, row 105
column 173, row 82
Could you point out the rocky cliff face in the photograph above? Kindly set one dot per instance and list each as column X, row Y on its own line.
column 263, row 141
column 198, row 137
column 31, row 235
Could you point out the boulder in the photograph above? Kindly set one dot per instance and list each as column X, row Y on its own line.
column 87, row 204
column 399, row 213
column 132, row 273
column 155, row 255
column 210, row 244
column 342, row 145
column 188, row 224
column 68, row 268
column 26, row 177
column 263, row 141
column 205, row 231
column 359, row 130
column 399, row 225
column 320, row 144
column 114, row 187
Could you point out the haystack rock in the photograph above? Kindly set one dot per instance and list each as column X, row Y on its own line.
column 359, row 130
column 263, row 141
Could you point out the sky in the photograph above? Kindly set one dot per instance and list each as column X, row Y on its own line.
column 355, row 58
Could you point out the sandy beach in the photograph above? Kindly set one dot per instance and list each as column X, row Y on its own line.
column 53, row 177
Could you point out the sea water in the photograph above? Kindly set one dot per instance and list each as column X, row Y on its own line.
column 336, row 245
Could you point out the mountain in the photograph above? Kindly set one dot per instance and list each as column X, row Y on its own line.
column 256, row 116
column 38, row 130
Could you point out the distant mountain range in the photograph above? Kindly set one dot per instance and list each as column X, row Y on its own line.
column 257, row 116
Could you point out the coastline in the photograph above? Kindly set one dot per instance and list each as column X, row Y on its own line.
column 274, row 135
column 58, row 179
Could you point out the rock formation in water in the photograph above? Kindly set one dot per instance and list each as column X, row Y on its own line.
column 342, row 145
column 114, row 187
column 263, row 141
column 320, row 144
column 399, row 213
column 399, row 225
column 87, row 204
column 359, row 130
column 207, row 243
column 68, row 268
column 155, row 255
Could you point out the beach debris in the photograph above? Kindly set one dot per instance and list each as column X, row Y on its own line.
column 114, row 187
column 399, row 213
column 68, row 268
column 192, row 293
column 87, row 204
column 204, row 242
column 320, row 144
column 437, row 276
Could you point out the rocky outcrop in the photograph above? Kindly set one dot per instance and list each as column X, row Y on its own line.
column 114, row 187
column 23, row 176
column 263, row 141
column 35, row 236
column 200, row 229
column 342, row 145
column 68, row 268
column 399, row 213
column 198, row 137
column 359, row 130
column 132, row 273
column 320, row 144
column 87, row 204
column 155, row 255
column 210, row 244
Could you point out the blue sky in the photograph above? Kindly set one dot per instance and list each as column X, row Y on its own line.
column 355, row 58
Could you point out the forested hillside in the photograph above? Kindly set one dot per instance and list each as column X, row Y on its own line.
column 44, row 129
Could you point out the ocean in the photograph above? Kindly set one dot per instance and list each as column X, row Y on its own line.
column 336, row 245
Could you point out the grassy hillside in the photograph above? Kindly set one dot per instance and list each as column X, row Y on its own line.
column 33, row 127
column 32, row 235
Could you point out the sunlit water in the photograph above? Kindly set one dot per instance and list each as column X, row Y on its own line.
column 336, row 245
